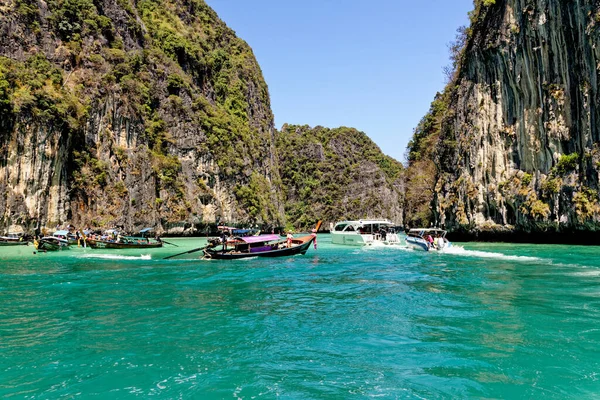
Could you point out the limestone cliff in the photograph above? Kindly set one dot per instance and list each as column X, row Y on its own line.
column 132, row 113
column 518, row 143
column 334, row 174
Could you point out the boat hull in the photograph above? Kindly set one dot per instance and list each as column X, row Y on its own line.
column 101, row 244
column 357, row 239
column 51, row 244
column 422, row 245
column 12, row 243
column 285, row 252
column 417, row 243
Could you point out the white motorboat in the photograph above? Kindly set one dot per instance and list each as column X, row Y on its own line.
column 427, row 239
column 365, row 232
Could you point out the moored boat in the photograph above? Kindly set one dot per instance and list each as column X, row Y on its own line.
column 66, row 235
column 113, row 240
column 13, row 239
column 365, row 232
column 270, row 245
column 50, row 243
column 427, row 239
column 124, row 242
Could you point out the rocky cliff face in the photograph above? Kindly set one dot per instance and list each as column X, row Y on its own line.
column 132, row 113
column 334, row 174
column 519, row 143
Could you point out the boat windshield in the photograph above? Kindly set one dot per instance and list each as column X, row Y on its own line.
column 422, row 232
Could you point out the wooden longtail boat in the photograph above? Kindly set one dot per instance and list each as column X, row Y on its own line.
column 124, row 242
column 12, row 240
column 258, row 246
column 50, row 243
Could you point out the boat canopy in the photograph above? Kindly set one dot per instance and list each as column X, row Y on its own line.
column 427, row 231
column 259, row 239
column 61, row 233
column 146, row 230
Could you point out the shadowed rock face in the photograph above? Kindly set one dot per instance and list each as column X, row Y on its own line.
column 128, row 113
column 520, row 145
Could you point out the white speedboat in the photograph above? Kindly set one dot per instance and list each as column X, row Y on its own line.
column 427, row 239
column 365, row 232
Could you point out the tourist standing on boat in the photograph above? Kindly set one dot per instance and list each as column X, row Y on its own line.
column 290, row 237
column 429, row 240
column 314, row 234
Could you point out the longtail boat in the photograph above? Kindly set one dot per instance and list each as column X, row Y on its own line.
column 13, row 239
column 115, row 241
column 258, row 246
column 124, row 242
column 50, row 243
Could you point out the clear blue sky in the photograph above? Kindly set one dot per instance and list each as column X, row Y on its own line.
column 372, row 65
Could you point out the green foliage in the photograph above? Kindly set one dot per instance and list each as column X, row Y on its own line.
column 551, row 186
column 35, row 87
column 536, row 208
column 428, row 129
column 69, row 17
column 175, row 83
column 254, row 198
column 586, row 204
column 566, row 164
column 319, row 165
column 28, row 12
column 185, row 70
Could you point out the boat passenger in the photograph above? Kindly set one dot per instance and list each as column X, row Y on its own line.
column 314, row 234
column 440, row 242
column 383, row 233
column 290, row 237
column 429, row 240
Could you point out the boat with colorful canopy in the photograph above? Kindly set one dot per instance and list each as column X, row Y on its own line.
column 267, row 245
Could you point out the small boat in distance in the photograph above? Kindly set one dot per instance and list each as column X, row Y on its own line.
column 13, row 239
column 365, row 232
column 71, row 238
column 50, row 243
column 270, row 245
column 427, row 239
column 113, row 240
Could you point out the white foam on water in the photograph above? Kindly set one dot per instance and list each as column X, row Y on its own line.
column 378, row 247
column 117, row 257
column 458, row 250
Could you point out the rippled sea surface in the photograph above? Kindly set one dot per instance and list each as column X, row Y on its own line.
column 481, row 321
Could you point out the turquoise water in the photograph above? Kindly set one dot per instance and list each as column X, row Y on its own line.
column 485, row 321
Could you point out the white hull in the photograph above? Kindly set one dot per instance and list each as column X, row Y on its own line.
column 357, row 239
column 422, row 245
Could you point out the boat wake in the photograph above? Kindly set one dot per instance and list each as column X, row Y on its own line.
column 457, row 250
column 117, row 257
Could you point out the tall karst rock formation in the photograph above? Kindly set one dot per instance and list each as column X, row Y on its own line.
column 132, row 113
column 518, row 141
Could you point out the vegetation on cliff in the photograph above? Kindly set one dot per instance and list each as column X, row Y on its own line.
column 154, row 110
column 334, row 174
column 511, row 146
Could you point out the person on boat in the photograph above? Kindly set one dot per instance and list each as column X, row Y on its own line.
column 429, row 240
column 290, row 237
column 440, row 242
column 314, row 234
column 383, row 233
